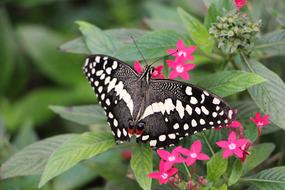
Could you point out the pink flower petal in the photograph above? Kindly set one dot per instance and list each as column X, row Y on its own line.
column 238, row 152
column 172, row 171
column 196, row 147
column 223, row 144
column 180, row 44
column 185, row 151
column 172, row 64
column 232, row 136
column 190, row 161
column 138, row 68
column 163, row 154
column 227, row 153
column 203, row 156
column 171, row 51
column 241, row 142
column 185, row 76
column 173, row 74
column 154, row 175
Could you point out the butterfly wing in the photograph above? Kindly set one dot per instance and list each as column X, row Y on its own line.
column 114, row 83
column 175, row 110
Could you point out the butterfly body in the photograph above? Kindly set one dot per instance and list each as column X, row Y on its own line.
column 158, row 111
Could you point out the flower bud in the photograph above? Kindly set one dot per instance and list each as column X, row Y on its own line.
column 235, row 32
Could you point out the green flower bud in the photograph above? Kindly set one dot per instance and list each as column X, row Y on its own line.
column 235, row 32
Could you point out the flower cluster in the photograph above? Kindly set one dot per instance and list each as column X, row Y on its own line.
column 236, row 145
column 235, row 32
column 179, row 155
column 239, row 146
column 180, row 66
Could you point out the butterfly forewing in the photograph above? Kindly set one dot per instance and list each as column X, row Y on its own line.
column 113, row 82
column 175, row 110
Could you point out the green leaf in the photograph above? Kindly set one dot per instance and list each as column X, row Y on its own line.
column 269, row 96
column 85, row 115
column 75, row 178
column 8, row 51
column 216, row 167
column 141, row 164
column 122, row 35
column 273, row 179
column 76, row 45
column 152, row 45
column 213, row 13
column 236, row 172
column 32, row 159
column 226, row 83
column 258, row 154
column 197, row 31
column 41, row 45
column 74, row 150
column 272, row 43
column 26, row 135
column 96, row 41
column 34, row 106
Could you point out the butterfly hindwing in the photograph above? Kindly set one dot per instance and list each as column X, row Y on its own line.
column 113, row 82
column 175, row 110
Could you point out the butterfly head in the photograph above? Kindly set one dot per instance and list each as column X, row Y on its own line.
column 136, row 128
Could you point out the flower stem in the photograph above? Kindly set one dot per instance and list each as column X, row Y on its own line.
column 187, row 171
column 208, row 143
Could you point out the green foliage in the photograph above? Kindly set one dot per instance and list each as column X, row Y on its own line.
column 85, row 115
column 32, row 159
column 197, row 31
column 269, row 95
column 216, row 167
column 141, row 164
column 74, row 150
column 272, row 43
column 235, row 173
column 273, row 178
column 258, row 154
column 229, row 82
column 96, row 41
column 152, row 45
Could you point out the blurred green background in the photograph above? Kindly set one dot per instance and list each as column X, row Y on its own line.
column 34, row 73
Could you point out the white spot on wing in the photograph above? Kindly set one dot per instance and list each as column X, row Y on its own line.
column 193, row 100
column 193, row 123
column 162, row 138
column 145, row 137
column 152, row 142
column 180, row 109
column 176, row 126
column 204, row 110
column 216, row 101
column 188, row 90
column 189, row 109
column 168, row 105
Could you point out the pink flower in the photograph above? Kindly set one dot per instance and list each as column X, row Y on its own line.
column 232, row 146
column 156, row 73
column 179, row 68
column 240, row 4
column 194, row 153
column 235, row 124
column 182, row 51
column 171, row 158
column 164, row 173
column 260, row 121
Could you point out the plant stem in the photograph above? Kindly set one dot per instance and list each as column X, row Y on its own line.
column 187, row 171
column 246, row 62
column 208, row 143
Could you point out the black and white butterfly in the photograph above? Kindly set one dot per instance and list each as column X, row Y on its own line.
column 158, row 111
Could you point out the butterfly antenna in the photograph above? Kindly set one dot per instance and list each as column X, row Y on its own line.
column 162, row 57
column 139, row 50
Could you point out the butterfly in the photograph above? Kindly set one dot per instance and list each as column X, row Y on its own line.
column 160, row 112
